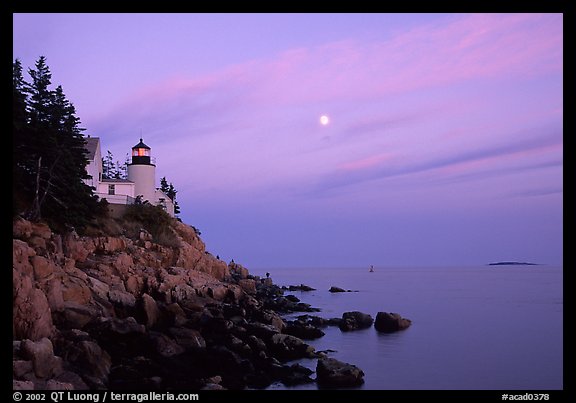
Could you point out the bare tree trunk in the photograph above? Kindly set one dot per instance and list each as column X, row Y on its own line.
column 34, row 214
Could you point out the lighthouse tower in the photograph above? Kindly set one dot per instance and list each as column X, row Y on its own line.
column 142, row 172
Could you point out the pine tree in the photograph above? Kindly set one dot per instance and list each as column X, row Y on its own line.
column 122, row 170
column 22, row 168
column 50, row 154
column 108, row 166
column 164, row 185
column 170, row 191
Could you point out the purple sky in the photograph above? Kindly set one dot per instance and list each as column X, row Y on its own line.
column 444, row 145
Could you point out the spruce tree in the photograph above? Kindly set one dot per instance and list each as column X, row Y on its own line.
column 108, row 166
column 50, row 154
column 170, row 191
column 22, row 165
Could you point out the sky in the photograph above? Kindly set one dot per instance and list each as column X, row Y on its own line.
column 444, row 141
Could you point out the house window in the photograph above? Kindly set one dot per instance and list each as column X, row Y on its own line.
column 111, row 189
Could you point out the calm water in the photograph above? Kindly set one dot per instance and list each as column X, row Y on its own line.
column 472, row 327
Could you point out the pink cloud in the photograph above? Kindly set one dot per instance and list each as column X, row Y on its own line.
column 261, row 107
column 365, row 163
column 470, row 47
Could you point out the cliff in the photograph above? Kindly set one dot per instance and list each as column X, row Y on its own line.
column 128, row 312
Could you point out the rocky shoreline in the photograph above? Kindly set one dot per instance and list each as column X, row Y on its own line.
column 113, row 312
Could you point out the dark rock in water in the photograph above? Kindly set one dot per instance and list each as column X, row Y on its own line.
column 295, row 374
column 338, row 289
column 292, row 298
column 315, row 321
column 512, row 264
column 256, row 344
column 261, row 330
column 333, row 373
column 303, row 307
column 303, row 330
column 334, row 321
column 355, row 320
column 287, row 347
column 301, row 287
column 390, row 322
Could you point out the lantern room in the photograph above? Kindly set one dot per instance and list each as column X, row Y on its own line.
column 141, row 154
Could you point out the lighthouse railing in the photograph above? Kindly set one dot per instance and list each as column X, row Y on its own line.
column 116, row 199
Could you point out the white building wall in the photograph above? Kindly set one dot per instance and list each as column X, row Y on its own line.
column 94, row 168
column 120, row 188
column 143, row 177
column 162, row 199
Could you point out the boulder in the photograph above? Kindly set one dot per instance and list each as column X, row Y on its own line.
column 21, row 368
column 41, row 353
column 92, row 361
column 189, row 339
column 53, row 290
column 75, row 248
column 43, row 267
column 114, row 327
column 123, row 264
column 76, row 316
column 21, row 228
column 21, row 254
column 31, row 315
column 248, row 285
column 333, row 373
column 301, row 287
column 151, row 311
column 270, row 317
column 295, row 374
column 336, row 289
column 175, row 314
column 288, row 347
column 355, row 320
column 164, row 345
column 121, row 298
column 238, row 270
column 390, row 322
column 41, row 230
column 261, row 330
column 75, row 289
column 303, row 330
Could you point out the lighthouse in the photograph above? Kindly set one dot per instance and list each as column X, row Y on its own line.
column 141, row 178
column 142, row 172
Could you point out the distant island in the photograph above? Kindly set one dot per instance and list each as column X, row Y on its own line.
column 512, row 264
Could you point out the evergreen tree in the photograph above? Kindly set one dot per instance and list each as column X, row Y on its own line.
column 122, row 170
column 113, row 170
column 50, row 154
column 108, row 166
column 170, row 191
column 22, row 167
column 164, row 185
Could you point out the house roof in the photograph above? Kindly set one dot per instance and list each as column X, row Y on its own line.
column 91, row 146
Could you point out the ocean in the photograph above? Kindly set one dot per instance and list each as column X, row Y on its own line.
column 473, row 328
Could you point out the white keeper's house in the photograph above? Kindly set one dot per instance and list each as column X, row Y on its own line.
column 141, row 179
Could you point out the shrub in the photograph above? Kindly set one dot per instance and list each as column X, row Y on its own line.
column 154, row 220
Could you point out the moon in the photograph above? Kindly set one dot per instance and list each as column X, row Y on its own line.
column 324, row 120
